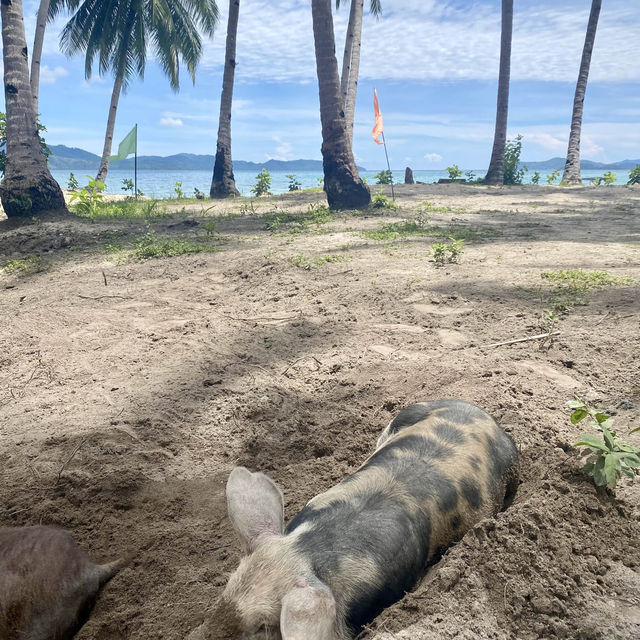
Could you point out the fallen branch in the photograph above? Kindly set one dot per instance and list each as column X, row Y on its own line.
column 100, row 297
column 538, row 337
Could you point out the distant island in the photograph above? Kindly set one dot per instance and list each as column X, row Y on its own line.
column 558, row 163
column 63, row 157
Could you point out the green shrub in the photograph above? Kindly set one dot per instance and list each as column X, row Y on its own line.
column 512, row 150
column 72, row 183
column 455, row 172
column 609, row 178
column 553, row 176
column 89, row 198
column 447, row 253
column 607, row 458
column 294, row 184
column 177, row 188
column 263, row 183
column 535, row 178
column 634, row 175
column 384, row 177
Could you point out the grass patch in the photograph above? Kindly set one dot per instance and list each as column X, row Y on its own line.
column 25, row 266
column 570, row 288
column 303, row 262
column 420, row 227
column 129, row 209
column 298, row 222
column 150, row 245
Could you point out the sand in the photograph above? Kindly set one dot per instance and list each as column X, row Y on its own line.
column 129, row 389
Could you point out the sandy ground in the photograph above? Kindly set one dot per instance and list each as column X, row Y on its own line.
column 129, row 389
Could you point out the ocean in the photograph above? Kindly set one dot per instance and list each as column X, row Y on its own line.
column 162, row 184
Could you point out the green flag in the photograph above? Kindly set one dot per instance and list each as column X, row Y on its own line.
column 128, row 145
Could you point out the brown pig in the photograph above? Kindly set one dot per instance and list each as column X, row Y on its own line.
column 439, row 468
column 48, row 585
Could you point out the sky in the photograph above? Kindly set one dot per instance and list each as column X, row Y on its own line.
column 433, row 62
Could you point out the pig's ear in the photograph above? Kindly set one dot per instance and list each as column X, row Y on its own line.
column 308, row 612
column 255, row 506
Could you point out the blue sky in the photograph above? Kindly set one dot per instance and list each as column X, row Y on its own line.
column 435, row 66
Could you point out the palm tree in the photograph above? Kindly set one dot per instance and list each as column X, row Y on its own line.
column 343, row 186
column 572, row 166
column 223, row 183
column 28, row 186
column 351, row 58
column 47, row 11
column 495, row 174
column 118, row 33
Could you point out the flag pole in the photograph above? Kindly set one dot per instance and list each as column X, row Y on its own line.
column 135, row 164
column 393, row 195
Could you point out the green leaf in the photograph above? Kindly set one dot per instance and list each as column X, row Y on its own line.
column 608, row 438
column 578, row 415
column 611, row 471
column 601, row 417
column 588, row 440
column 628, row 472
column 608, row 423
column 634, row 430
column 627, row 447
column 599, row 476
column 588, row 468
column 576, row 404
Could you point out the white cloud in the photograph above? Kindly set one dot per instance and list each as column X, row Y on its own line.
column 427, row 40
column 170, row 122
column 283, row 150
column 433, row 157
column 49, row 76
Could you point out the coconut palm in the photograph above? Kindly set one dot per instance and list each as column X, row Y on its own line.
column 28, row 186
column 351, row 58
column 495, row 173
column 343, row 186
column 572, row 166
column 223, row 183
column 118, row 33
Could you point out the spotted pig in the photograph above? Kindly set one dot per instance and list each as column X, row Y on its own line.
column 438, row 469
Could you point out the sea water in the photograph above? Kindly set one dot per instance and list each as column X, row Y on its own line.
column 164, row 183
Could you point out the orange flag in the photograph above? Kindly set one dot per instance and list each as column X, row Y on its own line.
column 377, row 129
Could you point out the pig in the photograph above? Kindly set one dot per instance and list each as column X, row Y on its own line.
column 48, row 585
column 439, row 468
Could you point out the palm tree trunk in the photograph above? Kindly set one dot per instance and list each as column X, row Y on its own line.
column 572, row 166
column 343, row 186
column 223, row 183
column 28, row 186
column 111, row 123
column 351, row 64
column 36, row 54
column 495, row 174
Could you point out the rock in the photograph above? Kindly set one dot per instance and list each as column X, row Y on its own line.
column 408, row 176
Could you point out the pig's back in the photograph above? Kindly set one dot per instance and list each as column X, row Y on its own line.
column 370, row 538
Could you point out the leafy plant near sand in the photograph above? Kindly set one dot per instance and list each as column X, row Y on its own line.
column 570, row 287
column 553, row 176
column 263, row 183
column 455, row 172
column 608, row 458
column 384, row 177
column 447, row 253
column 512, row 150
column 294, row 183
column 89, row 198
column 380, row 201
column 634, row 175
column 150, row 245
column 298, row 222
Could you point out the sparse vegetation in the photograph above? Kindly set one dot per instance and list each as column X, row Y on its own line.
column 607, row 457
column 24, row 266
column 72, row 183
column 294, row 183
column 447, row 252
column 455, row 172
column 512, row 173
column 634, row 175
column 303, row 262
column 151, row 245
column 553, row 176
column 535, row 178
column 298, row 222
column 380, row 201
column 570, row 287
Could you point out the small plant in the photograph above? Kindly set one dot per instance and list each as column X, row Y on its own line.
column 447, row 253
column 72, row 183
column 384, row 177
column 455, row 172
column 380, row 201
column 320, row 182
column 294, row 183
column 470, row 176
column 607, row 458
column 197, row 194
column 263, row 184
column 89, row 198
column 634, row 175
column 535, row 178
column 553, row 176
column 127, row 185
column 177, row 188
column 512, row 149
column 609, row 178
